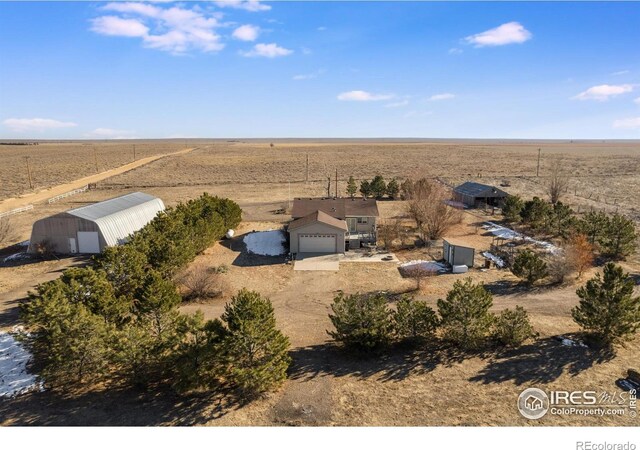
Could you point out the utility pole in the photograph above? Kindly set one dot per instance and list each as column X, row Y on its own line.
column 538, row 169
column 95, row 159
column 26, row 158
column 134, row 152
column 329, row 186
column 336, row 183
column 307, row 176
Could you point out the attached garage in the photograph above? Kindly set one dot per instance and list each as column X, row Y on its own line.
column 317, row 233
column 89, row 229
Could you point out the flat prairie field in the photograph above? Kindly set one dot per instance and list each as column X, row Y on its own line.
column 419, row 386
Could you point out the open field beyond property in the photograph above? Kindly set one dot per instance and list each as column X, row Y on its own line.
column 407, row 386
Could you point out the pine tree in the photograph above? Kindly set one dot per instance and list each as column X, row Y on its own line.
column 529, row 266
column 362, row 322
column 465, row 316
column 593, row 225
column 512, row 327
column 393, row 189
column 607, row 306
column 536, row 212
column 125, row 268
column 414, row 319
column 365, row 189
column 378, row 187
column 619, row 238
column 255, row 351
column 512, row 207
column 352, row 189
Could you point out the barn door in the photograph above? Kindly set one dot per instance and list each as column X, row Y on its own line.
column 88, row 242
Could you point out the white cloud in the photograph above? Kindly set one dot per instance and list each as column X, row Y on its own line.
column 637, row 101
column 630, row 123
column 603, row 92
column 455, row 51
column 116, row 26
column 443, row 96
column 174, row 29
column 36, row 124
column 399, row 104
column 621, row 72
column 267, row 51
column 507, row 33
column 110, row 133
column 322, row 28
column 247, row 5
column 246, row 33
column 308, row 76
column 363, row 96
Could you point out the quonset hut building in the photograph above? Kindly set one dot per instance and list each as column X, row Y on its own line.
column 89, row 229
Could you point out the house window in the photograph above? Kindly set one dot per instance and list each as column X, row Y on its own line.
column 363, row 220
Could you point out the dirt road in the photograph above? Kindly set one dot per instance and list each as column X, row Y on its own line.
column 45, row 194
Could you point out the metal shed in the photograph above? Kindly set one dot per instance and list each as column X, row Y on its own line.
column 89, row 229
column 473, row 194
column 456, row 254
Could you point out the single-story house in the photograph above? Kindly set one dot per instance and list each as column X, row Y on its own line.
column 456, row 254
column 474, row 194
column 331, row 225
column 89, row 229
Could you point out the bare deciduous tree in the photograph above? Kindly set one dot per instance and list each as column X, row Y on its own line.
column 432, row 215
column 7, row 233
column 388, row 231
column 558, row 183
column 419, row 273
column 201, row 282
column 580, row 254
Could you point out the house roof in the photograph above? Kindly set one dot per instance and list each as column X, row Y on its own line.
column 318, row 216
column 457, row 243
column 340, row 208
column 473, row 189
column 120, row 217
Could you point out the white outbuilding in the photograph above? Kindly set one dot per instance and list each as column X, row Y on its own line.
column 89, row 229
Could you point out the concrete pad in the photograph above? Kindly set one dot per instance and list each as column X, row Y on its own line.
column 315, row 261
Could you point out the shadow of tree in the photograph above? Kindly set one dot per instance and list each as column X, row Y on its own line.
column 508, row 287
column 115, row 407
column 541, row 362
column 246, row 259
column 395, row 364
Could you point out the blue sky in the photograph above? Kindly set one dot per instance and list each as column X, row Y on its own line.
column 319, row 69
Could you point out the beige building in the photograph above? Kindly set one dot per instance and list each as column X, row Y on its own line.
column 332, row 225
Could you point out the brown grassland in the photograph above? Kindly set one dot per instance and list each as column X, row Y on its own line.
column 420, row 386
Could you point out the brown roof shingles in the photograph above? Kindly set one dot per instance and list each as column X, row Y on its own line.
column 340, row 208
column 318, row 216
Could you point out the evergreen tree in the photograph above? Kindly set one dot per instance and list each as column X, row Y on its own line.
column 529, row 266
column 255, row 351
column 125, row 268
column 414, row 319
column 352, row 189
column 607, row 306
column 593, row 225
column 536, row 212
column 561, row 220
column 362, row 322
column 393, row 188
column 378, row 187
column 70, row 342
column 465, row 316
column 365, row 189
column 512, row 207
column 512, row 327
column 619, row 238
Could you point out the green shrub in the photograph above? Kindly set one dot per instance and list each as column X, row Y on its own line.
column 414, row 320
column 362, row 322
column 465, row 317
column 512, row 327
column 530, row 267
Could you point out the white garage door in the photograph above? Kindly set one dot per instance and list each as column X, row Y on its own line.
column 88, row 242
column 317, row 243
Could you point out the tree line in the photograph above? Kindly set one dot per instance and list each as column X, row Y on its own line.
column 607, row 311
column 118, row 318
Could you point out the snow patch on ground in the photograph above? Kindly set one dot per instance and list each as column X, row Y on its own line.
column 14, row 378
column 507, row 233
column 496, row 259
column 267, row 243
column 431, row 266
